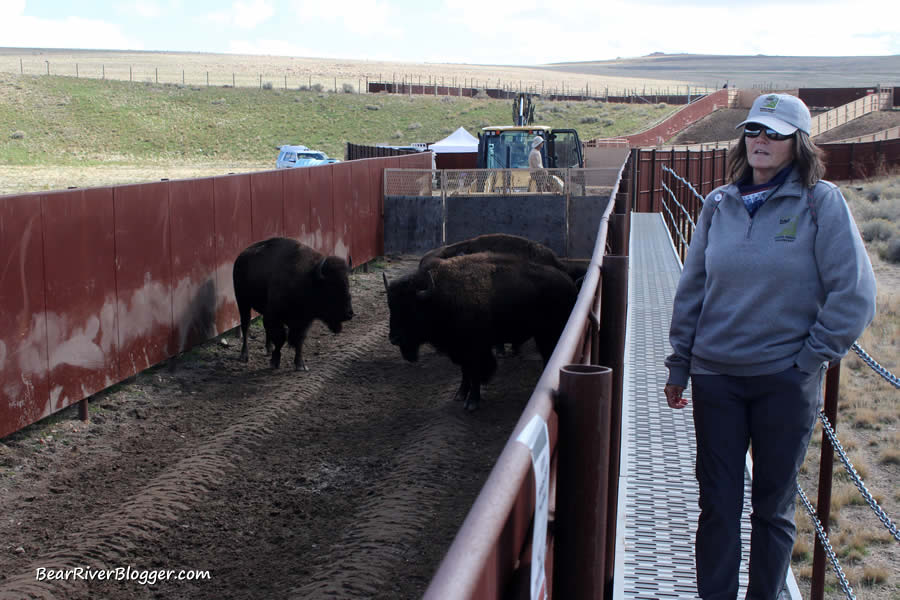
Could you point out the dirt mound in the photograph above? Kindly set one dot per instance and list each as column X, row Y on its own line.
column 720, row 126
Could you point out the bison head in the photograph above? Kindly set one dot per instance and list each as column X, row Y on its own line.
column 332, row 275
column 407, row 303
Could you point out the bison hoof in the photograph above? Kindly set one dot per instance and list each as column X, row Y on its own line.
column 301, row 367
column 471, row 405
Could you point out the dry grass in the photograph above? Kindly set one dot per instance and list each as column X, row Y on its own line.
column 293, row 72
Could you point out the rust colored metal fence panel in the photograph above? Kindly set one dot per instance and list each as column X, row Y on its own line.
column 143, row 276
column 296, row 205
column 341, row 205
column 24, row 395
column 691, row 113
column 194, row 287
column 80, row 272
column 833, row 97
column 857, row 161
column 362, row 207
column 267, row 202
column 704, row 169
column 376, row 183
column 321, row 213
column 232, row 210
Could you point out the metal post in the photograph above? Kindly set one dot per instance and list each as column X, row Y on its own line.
column 613, row 312
column 582, row 480
column 826, row 466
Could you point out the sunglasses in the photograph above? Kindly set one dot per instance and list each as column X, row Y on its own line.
column 753, row 130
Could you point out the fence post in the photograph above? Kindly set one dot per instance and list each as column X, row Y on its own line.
column 826, row 465
column 582, row 481
column 613, row 314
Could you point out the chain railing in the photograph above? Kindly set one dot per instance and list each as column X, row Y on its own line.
column 885, row 374
column 857, row 480
column 823, row 537
column 821, row 530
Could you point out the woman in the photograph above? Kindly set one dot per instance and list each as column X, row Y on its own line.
column 776, row 284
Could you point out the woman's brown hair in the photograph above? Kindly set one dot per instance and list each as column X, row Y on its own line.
column 807, row 160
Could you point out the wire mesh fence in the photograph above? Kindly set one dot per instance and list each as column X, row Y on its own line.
column 501, row 182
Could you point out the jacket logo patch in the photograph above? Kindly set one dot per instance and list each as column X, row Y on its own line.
column 789, row 232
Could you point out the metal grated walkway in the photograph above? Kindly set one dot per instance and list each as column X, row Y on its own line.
column 657, row 490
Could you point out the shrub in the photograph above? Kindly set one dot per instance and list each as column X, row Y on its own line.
column 891, row 252
column 414, row 126
column 316, row 87
column 17, row 135
column 372, row 107
column 589, row 119
column 348, row 88
column 267, row 85
column 879, row 229
column 481, row 94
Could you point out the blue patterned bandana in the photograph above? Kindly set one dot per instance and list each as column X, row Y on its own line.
column 755, row 195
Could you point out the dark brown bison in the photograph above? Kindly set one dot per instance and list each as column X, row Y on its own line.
column 463, row 306
column 290, row 285
column 504, row 243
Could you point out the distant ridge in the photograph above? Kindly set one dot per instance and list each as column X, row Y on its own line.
column 783, row 72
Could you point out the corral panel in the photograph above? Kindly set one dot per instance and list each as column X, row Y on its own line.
column 267, row 200
column 24, row 395
column 321, row 212
column 233, row 234
column 376, row 182
column 342, row 200
column 584, row 221
column 540, row 218
column 296, row 205
column 80, row 270
column 143, row 276
column 412, row 224
column 364, row 247
column 194, row 291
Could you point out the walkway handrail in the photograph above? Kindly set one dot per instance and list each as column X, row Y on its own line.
column 482, row 560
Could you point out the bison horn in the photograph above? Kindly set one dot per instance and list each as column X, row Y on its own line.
column 384, row 276
column 320, row 270
column 429, row 288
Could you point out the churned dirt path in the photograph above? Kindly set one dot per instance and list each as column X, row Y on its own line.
column 348, row 481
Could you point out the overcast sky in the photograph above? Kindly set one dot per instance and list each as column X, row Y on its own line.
column 512, row 32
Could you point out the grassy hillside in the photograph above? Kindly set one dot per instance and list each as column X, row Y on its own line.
column 71, row 121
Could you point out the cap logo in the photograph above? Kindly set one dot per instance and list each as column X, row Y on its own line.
column 770, row 104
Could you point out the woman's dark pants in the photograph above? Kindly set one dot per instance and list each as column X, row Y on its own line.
column 775, row 413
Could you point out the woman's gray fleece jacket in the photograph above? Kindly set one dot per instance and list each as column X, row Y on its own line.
column 785, row 287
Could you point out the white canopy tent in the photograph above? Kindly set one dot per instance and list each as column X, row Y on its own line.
column 458, row 141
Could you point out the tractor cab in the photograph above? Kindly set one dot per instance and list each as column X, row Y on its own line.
column 507, row 147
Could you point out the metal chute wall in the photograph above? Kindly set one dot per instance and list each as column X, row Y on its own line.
column 98, row 284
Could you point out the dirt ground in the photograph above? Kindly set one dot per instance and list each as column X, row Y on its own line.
column 720, row 126
column 348, row 481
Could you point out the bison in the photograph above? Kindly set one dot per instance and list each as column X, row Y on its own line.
column 504, row 243
column 290, row 285
column 465, row 305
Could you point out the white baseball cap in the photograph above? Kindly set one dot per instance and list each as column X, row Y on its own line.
column 782, row 112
